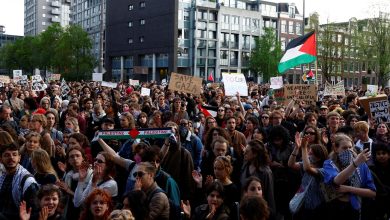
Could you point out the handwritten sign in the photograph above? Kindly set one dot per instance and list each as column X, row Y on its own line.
column 276, row 82
column 145, row 92
column 4, row 79
column 380, row 110
column 185, row 83
column 97, row 77
column 234, row 83
column 337, row 89
column 134, row 82
column 109, row 84
column 303, row 92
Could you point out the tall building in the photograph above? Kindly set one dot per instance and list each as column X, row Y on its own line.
column 147, row 40
column 88, row 14
column 39, row 14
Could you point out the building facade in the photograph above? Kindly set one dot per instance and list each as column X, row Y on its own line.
column 39, row 14
column 193, row 37
column 90, row 15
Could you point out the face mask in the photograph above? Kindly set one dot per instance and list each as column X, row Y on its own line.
column 125, row 109
column 345, row 158
column 183, row 132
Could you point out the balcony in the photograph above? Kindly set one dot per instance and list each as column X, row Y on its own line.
column 233, row 62
column 55, row 20
column 225, row 26
column 246, row 46
column 183, row 62
column 183, row 43
column 235, row 27
column 162, row 62
column 55, row 4
column 55, row 11
column 224, row 62
column 234, row 45
column 246, row 28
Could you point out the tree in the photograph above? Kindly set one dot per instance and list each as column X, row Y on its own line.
column 380, row 28
column 266, row 55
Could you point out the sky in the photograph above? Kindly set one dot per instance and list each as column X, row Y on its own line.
column 11, row 11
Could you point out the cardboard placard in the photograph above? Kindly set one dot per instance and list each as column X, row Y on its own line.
column 55, row 76
column 134, row 82
column 109, row 84
column 276, row 82
column 380, row 110
column 365, row 102
column 307, row 93
column 185, row 83
column 234, row 83
column 145, row 92
column 337, row 89
column 97, row 77
column 4, row 79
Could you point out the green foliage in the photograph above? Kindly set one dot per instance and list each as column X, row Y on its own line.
column 266, row 55
column 60, row 50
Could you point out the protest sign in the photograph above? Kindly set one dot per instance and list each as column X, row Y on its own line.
column 164, row 82
column 302, row 92
column 185, row 83
column 17, row 75
column 145, row 92
column 23, row 80
column 97, row 77
column 64, row 88
column 276, row 82
column 37, row 83
column 4, row 79
column 337, row 89
column 380, row 110
column 377, row 106
column 139, row 133
column 55, row 76
column 134, row 82
column 234, row 83
column 372, row 90
column 109, row 84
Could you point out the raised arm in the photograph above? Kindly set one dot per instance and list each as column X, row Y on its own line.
column 116, row 158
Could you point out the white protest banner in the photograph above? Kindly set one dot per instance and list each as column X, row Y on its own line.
column 23, row 80
column 185, row 83
column 145, row 92
column 17, row 75
column 337, row 89
column 234, row 83
column 109, row 84
column 97, row 77
column 380, row 110
column 276, row 82
column 65, row 89
column 55, row 76
column 134, row 82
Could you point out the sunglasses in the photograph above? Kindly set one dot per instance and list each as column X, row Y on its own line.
column 221, row 110
column 264, row 117
column 139, row 174
column 99, row 161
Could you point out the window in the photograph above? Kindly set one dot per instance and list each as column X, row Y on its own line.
column 291, row 27
column 131, row 7
column 284, row 26
column 43, row 23
column 44, row 15
column 186, row 15
column 141, row 39
column 130, row 40
column 298, row 29
column 130, row 24
column 142, row 21
column 142, row 4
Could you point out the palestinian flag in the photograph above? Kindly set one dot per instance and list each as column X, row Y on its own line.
column 208, row 110
column 300, row 50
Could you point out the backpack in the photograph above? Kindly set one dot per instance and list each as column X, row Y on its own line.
column 174, row 210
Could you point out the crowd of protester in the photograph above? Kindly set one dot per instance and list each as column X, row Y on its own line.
column 248, row 161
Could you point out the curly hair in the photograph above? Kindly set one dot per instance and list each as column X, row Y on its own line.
column 279, row 132
column 87, row 214
column 209, row 137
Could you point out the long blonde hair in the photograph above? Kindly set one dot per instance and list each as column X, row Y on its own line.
column 41, row 162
